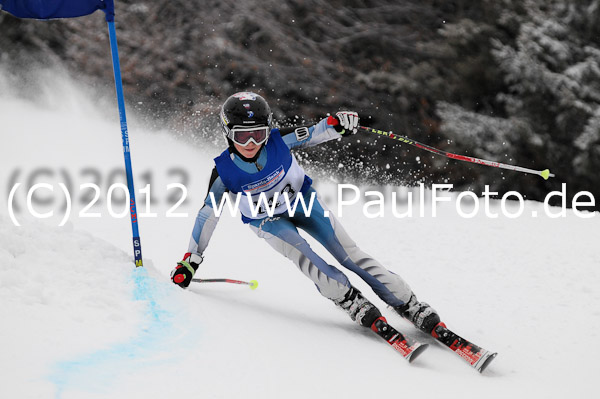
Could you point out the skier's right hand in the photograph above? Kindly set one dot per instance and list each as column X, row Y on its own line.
column 184, row 271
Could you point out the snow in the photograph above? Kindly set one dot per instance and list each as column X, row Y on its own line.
column 79, row 321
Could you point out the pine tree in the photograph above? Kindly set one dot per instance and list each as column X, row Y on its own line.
column 549, row 103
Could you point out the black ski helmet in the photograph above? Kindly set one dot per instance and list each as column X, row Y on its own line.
column 245, row 109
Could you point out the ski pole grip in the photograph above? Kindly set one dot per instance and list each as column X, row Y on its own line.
column 332, row 120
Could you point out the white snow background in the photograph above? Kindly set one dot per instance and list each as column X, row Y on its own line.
column 79, row 321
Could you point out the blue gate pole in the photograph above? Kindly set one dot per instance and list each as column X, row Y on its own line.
column 137, row 245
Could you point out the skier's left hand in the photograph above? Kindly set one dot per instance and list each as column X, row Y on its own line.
column 348, row 122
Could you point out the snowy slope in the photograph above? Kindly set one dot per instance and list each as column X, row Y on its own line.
column 78, row 321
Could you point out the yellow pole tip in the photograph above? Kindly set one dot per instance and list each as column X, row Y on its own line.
column 545, row 174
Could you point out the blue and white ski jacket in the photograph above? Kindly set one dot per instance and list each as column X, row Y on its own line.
column 275, row 170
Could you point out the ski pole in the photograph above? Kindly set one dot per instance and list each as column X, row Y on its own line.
column 252, row 283
column 544, row 173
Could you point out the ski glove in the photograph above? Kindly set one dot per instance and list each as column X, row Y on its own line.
column 348, row 122
column 185, row 270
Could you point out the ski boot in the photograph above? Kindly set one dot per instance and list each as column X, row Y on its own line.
column 359, row 308
column 423, row 316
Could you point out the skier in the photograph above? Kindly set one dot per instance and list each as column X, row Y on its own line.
column 258, row 160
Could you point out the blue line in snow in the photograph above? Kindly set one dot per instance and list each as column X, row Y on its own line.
column 97, row 371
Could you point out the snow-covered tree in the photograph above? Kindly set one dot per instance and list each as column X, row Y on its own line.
column 549, row 67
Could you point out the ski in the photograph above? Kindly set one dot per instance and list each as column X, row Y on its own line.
column 476, row 356
column 409, row 348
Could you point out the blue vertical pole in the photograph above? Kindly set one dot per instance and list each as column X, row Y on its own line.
column 137, row 245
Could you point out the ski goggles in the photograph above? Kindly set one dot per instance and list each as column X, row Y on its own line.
column 244, row 135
